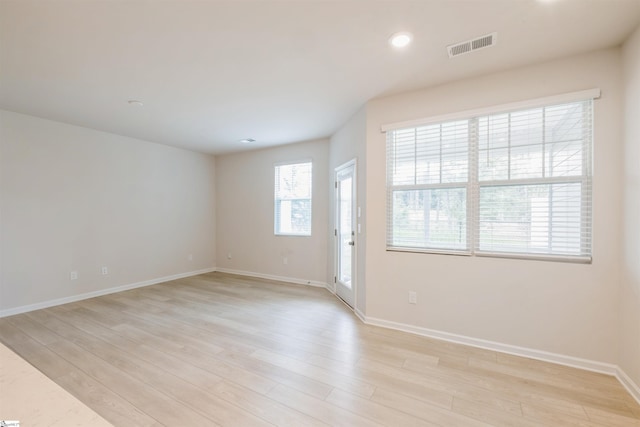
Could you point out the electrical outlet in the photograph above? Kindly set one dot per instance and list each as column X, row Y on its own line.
column 413, row 297
column 229, row 255
column 190, row 257
column 285, row 260
column 73, row 275
column 105, row 271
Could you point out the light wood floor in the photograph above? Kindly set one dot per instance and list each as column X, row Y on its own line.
column 218, row 349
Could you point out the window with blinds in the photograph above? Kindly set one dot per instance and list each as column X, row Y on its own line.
column 515, row 183
column 292, row 201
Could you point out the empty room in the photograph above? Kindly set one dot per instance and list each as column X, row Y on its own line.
column 320, row 213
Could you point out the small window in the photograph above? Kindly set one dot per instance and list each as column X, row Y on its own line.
column 292, row 204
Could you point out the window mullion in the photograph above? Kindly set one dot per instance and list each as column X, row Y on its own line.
column 473, row 194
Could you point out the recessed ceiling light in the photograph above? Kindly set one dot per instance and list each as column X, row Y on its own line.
column 400, row 39
column 135, row 102
column 247, row 140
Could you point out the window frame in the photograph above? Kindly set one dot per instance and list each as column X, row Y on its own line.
column 276, row 215
column 474, row 184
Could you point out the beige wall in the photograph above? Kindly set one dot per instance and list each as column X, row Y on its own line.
column 244, row 183
column 564, row 308
column 630, row 285
column 349, row 143
column 72, row 198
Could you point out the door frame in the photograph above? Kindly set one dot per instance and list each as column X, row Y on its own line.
column 336, row 241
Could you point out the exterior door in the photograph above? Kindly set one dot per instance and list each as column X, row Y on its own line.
column 345, row 232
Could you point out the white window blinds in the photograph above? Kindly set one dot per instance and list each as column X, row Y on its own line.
column 428, row 179
column 510, row 183
column 292, row 201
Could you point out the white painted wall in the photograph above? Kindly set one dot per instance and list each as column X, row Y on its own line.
column 630, row 285
column 73, row 198
column 564, row 308
column 347, row 143
column 244, row 183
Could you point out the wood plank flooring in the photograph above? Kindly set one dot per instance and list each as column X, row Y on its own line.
column 218, row 349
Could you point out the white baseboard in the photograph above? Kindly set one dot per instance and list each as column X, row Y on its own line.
column 276, row 278
column 545, row 356
column 331, row 287
column 628, row 383
column 87, row 295
column 576, row 362
column 560, row 359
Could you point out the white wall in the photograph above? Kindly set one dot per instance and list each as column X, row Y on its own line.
column 564, row 308
column 244, row 189
column 349, row 143
column 630, row 285
column 73, row 198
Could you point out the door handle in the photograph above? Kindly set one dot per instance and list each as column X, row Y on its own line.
column 352, row 243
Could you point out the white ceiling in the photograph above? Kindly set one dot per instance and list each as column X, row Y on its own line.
column 213, row 72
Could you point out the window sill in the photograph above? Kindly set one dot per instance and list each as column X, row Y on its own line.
column 530, row 257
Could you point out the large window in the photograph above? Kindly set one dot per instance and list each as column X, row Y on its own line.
column 514, row 183
column 293, row 199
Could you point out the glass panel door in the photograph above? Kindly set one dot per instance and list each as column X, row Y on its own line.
column 345, row 236
column 345, row 230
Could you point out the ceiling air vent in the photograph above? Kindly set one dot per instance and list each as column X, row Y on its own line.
column 472, row 45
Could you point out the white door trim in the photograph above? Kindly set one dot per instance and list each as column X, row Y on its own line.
column 351, row 163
